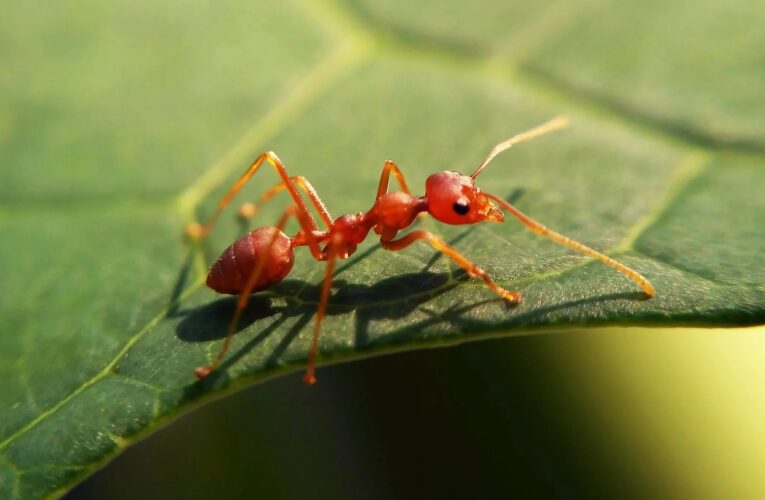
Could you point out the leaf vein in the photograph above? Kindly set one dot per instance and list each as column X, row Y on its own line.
column 103, row 373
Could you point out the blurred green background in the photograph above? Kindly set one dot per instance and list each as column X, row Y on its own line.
column 110, row 110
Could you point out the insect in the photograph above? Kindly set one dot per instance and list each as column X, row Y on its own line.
column 265, row 256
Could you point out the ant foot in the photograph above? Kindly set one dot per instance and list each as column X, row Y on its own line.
column 202, row 371
column 194, row 231
column 512, row 297
column 247, row 211
column 309, row 378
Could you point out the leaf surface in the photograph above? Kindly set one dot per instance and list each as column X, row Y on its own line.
column 128, row 122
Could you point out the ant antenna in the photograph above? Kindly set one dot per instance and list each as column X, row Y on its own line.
column 556, row 123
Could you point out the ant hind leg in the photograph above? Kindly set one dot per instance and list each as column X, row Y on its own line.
column 310, row 377
column 197, row 231
column 248, row 209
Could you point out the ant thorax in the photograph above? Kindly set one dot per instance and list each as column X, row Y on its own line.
column 397, row 210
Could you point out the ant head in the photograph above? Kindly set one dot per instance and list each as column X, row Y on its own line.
column 454, row 198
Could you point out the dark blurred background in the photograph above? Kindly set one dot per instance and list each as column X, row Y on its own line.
column 604, row 413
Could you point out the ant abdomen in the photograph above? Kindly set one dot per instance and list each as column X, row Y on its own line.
column 236, row 264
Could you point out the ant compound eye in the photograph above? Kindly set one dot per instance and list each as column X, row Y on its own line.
column 461, row 206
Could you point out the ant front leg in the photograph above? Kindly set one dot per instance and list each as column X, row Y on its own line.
column 543, row 230
column 452, row 253
column 197, row 231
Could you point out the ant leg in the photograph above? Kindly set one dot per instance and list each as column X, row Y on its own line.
column 197, row 231
column 248, row 210
column 317, row 202
column 241, row 303
column 388, row 168
column 575, row 245
column 453, row 254
column 310, row 370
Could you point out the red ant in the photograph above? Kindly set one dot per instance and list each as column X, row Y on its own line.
column 265, row 256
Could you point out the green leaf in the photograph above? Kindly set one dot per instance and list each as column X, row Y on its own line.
column 128, row 121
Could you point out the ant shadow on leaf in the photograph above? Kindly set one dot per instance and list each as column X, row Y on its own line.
column 391, row 298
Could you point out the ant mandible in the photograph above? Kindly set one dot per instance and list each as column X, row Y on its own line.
column 265, row 256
